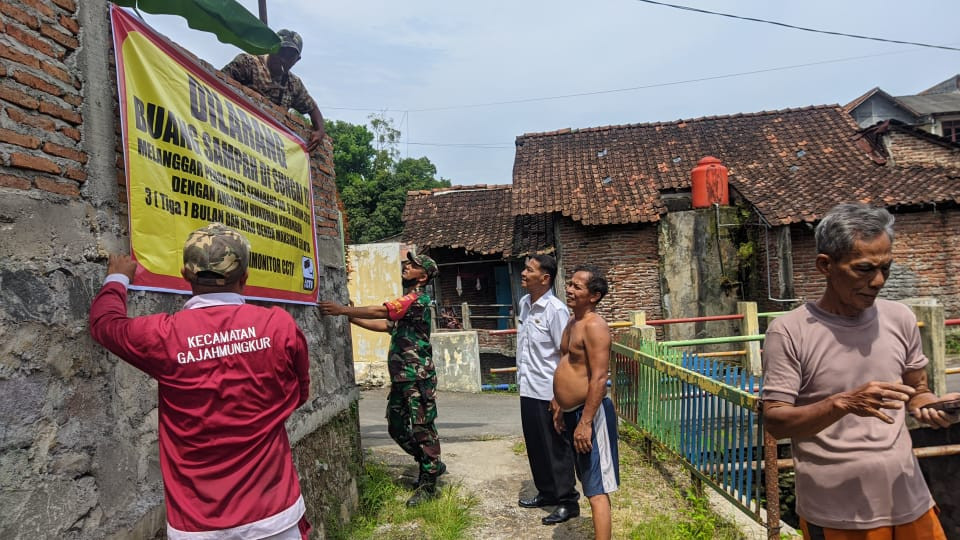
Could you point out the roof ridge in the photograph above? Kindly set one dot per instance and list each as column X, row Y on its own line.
column 475, row 187
column 611, row 127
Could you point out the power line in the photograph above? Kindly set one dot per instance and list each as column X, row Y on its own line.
column 618, row 90
column 805, row 29
column 653, row 85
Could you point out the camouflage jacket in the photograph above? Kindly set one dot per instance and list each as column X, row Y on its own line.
column 287, row 92
column 411, row 356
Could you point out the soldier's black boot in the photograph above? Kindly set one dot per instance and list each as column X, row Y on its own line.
column 426, row 489
column 441, row 468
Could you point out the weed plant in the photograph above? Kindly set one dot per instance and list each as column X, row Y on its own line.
column 383, row 513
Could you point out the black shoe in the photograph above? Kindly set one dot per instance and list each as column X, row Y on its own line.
column 538, row 501
column 426, row 491
column 561, row 514
column 441, row 468
column 423, row 494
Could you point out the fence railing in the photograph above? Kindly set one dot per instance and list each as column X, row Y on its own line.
column 465, row 315
column 704, row 411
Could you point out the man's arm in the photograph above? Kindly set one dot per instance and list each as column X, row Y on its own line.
column 784, row 420
column 110, row 326
column 597, row 345
column 319, row 131
column 375, row 325
column 365, row 312
column 557, row 322
column 301, row 363
column 239, row 69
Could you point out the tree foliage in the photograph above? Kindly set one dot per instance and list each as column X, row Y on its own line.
column 372, row 178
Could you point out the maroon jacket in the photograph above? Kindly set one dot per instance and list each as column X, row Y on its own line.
column 229, row 374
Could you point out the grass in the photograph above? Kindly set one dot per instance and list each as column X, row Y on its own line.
column 520, row 448
column 656, row 500
column 383, row 512
column 952, row 342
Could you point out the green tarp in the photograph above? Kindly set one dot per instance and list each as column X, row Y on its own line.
column 227, row 19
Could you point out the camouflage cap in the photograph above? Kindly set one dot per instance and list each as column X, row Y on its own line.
column 217, row 249
column 428, row 264
column 290, row 39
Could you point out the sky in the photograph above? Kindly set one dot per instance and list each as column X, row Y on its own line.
column 442, row 70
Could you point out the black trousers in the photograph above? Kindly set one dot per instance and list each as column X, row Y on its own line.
column 550, row 455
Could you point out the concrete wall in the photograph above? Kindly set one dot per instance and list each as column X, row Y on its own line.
column 374, row 279
column 697, row 272
column 456, row 356
column 78, row 448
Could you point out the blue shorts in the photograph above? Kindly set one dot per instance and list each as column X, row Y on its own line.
column 598, row 470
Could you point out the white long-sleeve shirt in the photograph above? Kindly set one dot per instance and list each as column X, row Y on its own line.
column 541, row 325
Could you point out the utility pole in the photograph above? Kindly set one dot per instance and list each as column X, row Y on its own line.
column 263, row 11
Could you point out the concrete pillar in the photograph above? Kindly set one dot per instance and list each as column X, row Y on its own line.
column 698, row 271
column 638, row 319
column 933, row 339
column 785, row 257
column 465, row 315
column 750, row 326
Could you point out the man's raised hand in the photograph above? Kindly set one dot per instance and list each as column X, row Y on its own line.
column 122, row 264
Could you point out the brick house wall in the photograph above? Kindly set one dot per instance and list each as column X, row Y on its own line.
column 78, row 426
column 926, row 259
column 906, row 149
column 628, row 256
column 41, row 97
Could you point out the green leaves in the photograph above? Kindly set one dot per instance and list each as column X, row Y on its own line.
column 373, row 181
column 226, row 19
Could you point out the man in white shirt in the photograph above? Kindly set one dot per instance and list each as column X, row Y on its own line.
column 542, row 319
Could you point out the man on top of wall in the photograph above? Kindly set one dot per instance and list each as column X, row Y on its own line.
column 270, row 75
column 840, row 374
column 229, row 374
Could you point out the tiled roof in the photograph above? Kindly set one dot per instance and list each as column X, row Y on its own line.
column 475, row 218
column 950, row 85
column 793, row 164
column 932, row 103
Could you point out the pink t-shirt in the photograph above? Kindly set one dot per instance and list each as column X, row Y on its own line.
column 859, row 473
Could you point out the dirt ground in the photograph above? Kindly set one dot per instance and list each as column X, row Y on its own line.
column 480, row 436
column 496, row 476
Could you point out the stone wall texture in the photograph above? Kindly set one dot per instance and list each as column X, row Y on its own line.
column 78, row 442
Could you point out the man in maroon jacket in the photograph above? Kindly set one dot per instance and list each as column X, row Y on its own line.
column 228, row 375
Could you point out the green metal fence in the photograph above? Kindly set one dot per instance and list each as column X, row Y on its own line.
column 703, row 410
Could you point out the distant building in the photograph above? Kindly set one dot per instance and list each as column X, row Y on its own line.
column 935, row 110
column 602, row 195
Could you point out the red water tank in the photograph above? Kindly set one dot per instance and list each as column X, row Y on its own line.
column 708, row 183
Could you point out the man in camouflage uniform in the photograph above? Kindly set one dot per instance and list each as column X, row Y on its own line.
column 411, row 405
column 270, row 75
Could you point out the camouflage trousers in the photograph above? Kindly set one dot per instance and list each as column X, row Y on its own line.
column 411, row 411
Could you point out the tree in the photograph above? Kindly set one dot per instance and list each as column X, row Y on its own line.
column 372, row 180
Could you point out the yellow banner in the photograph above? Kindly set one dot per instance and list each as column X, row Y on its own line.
column 196, row 154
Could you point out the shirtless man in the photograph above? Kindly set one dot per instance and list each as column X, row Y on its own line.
column 582, row 407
